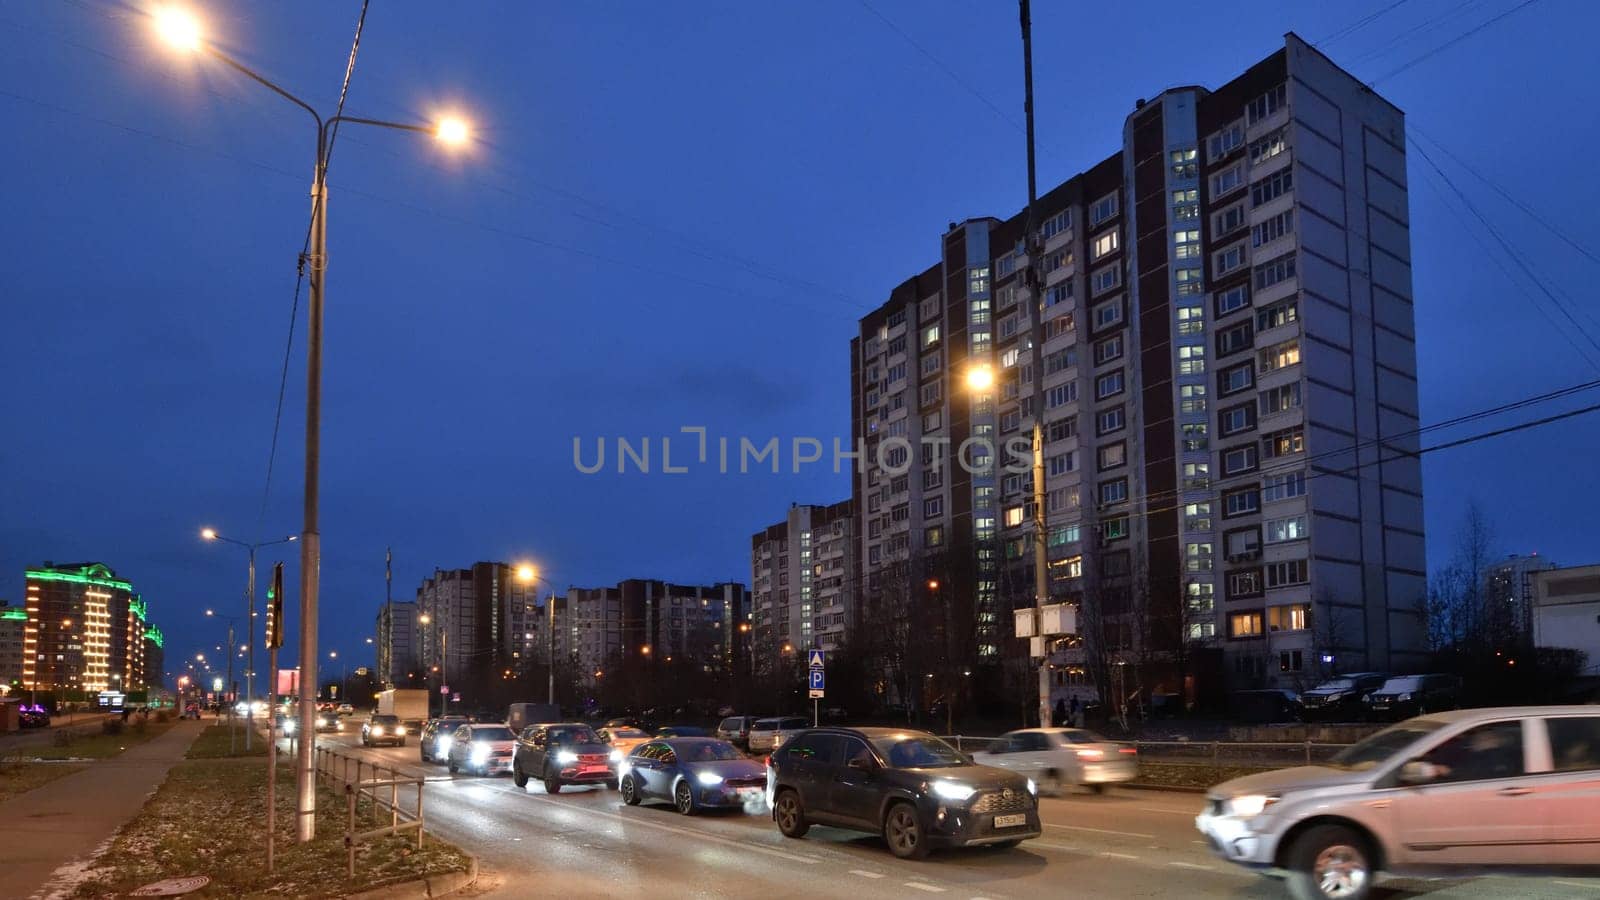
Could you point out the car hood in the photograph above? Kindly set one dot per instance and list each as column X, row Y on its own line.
column 729, row 768
column 494, row 745
column 978, row 776
column 581, row 749
column 1299, row 778
column 1328, row 692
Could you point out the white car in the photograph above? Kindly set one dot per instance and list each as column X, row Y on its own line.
column 1056, row 758
column 480, row 748
column 765, row 734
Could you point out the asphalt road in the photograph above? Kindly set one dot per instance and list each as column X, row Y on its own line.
column 584, row 842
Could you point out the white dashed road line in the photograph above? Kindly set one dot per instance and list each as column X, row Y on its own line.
column 921, row 886
column 1185, row 865
column 865, row 874
column 1110, row 855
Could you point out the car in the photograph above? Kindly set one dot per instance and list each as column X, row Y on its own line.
column 1342, row 697
column 329, row 722
column 484, row 748
column 624, row 722
column 671, row 731
column 917, row 791
column 1404, row 696
column 1056, row 758
column 433, row 742
column 561, row 754
column 736, row 730
column 1465, row 792
column 383, row 729
column 693, row 773
column 763, row 734
column 346, row 709
column 36, row 716
column 622, row 738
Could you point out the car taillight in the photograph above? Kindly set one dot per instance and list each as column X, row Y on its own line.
column 768, row 761
column 1128, row 750
column 1090, row 754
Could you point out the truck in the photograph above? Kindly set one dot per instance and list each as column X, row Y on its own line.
column 410, row 705
column 521, row 715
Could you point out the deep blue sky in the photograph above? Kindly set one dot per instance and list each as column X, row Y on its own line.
column 590, row 268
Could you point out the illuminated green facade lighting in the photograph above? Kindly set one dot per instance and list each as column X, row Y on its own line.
column 15, row 615
column 95, row 574
column 153, row 635
column 137, row 607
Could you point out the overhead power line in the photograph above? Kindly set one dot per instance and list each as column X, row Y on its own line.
column 1357, row 25
column 1454, row 41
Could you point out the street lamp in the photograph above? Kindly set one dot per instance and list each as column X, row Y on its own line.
column 210, row 534
column 182, row 31
column 528, row 575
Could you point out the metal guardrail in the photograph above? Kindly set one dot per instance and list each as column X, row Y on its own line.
column 345, row 773
column 1207, row 754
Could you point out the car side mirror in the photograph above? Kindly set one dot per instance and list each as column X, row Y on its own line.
column 1417, row 772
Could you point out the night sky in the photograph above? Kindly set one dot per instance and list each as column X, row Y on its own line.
column 673, row 215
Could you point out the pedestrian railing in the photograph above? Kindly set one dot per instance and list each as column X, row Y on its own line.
column 379, row 785
column 1216, row 755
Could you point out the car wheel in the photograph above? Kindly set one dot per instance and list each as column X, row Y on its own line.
column 683, row 797
column 903, row 832
column 1330, row 862
column 517, row 778
column 552, row 783
column 1097, row 788
column 791, row 818
column 630, row 792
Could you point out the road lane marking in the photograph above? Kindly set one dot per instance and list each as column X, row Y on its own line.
column 1186, row 813
column 1134, row 834
column 865, row 874
column 921, row 886
column 1109, row 854
column 1185, row 865
column 1049, row 846
column 686, row 832
column 1579, row 884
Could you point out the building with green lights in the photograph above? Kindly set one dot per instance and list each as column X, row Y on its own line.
column 13, row 622
column 85, row 630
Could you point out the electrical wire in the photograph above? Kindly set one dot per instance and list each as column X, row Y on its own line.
column 1357, row 25
column 1453, row 41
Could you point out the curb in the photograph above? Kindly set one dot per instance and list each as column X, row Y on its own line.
column 424, row 888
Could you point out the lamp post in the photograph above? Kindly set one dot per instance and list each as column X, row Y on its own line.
column 184, row 32
column 528, row 575
column 211, row 534
column 426, row 619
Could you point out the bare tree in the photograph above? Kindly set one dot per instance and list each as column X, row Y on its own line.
column 1457, row 609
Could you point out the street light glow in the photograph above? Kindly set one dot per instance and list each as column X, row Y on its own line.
column 452, row 131
column 526, row 574
column 178, row 28
column 980, row 378
column 209, row 534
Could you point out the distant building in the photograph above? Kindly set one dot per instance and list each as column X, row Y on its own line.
column 13, row 623
column 474, row 622
column 1566, row 612
column 397, row 642
column 803, row 578
column 1509, row 592
column 87, row 629
column 597, row 626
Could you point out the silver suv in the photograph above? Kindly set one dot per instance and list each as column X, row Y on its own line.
column 1509, row 790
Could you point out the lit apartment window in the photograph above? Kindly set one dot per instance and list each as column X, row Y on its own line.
column 1280, row 356
column 1266, row 104
column 1057, row 259
column 1192, row 398
column 979, row 312
column 1196, row 476
column 1185, row 163
column 1282, row 487
column 933, row 537
column 978, row 281
column 1185, row 205
column 1194, row 436
column 1062, row 499
column 1277, row 314
column 1113, row 530
column 1191, row 320
column 1245, row 625
column 1061, row 324
column 930, row 336
column 1287, row 573
column 1288, row 528
column 1186, row 244
column 1197, row 557
column 1197, row 516
column 1266, row 148
column 1192, row 360
column 1104, row 243
column 1113, row 455
column 1284, row 443
column 1062, row 535
column 1280, row 399
column 1190, row 281
column 1103, row 209
column 1235, row 379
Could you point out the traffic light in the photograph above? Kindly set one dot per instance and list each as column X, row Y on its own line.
column 275, row 608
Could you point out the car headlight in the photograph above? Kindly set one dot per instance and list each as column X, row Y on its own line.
column 377, row 731
column 1404, row 697
column 400, row 731
column 288, row 726
column 708, row 778
column 444, row 744
column 950, row 790
column 616, row 756
column 1033, row 788
column 480, row 753
column 1250, row 805
column 566, row 757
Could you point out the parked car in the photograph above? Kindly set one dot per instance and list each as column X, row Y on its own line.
column 913, row 788
column 1341, row 698
column 383, row 729
column 736, row 730
column 433, row 744
column 562, row 754
column 329, row 722
column 763, row 734
column 623, row 722
column 1507, row 790
column 482, row 748
column 1056, row 758
column 346, row 709
column 672, row 731
column 1411, row 695
column 36, row 716
column 693, row 773
column 622, row 738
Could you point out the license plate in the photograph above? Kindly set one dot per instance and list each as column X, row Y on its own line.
column 1010, row 821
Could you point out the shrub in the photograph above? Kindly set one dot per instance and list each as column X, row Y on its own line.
column 112, row 725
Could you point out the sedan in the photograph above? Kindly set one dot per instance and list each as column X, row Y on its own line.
column 909, row 786
column 327, row 722
column 1059, row 757
column 484, row 749
column 693, row 773
column 676, row 731
column 434, row 743
column 381, row 729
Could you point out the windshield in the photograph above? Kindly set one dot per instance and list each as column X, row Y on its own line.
column 710, row 751
column 493, row 733
column 765, row 725
column 384, row 720
column 918, row 751
column 628, row 733
column 577, row 734
column 1383, row 745
column 1401, row 685
column 1335, row 684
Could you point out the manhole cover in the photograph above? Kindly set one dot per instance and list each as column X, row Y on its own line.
column 172, row 887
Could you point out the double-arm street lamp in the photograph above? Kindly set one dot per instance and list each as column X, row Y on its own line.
column 211, row 534
column 182, row 31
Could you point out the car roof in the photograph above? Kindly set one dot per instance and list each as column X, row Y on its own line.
column 1501, row 712
column 871, row 732
column 564, row 725
column 691, row 740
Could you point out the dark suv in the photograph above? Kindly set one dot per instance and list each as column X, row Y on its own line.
column 562, row 754
column 433, row 745
column 1342, row 697
column 1404, row 696
column 914, row 789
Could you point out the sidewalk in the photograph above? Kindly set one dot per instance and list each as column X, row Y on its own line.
column 64, row 822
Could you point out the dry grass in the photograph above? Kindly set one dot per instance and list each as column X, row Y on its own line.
column 207, row 819
column 17, row 777
column 1181, row 775
column 99, row 745
column 220, row 742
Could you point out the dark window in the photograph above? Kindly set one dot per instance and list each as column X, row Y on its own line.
column 1235, row 339
column 1480, row 754
column 1574, row 743
column 816, row 746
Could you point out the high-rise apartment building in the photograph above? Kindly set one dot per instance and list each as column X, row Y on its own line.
column 473, row 624
column 595, row 627
column 13, row 624
column 397, row 642
column 803, row 578
column 1227, row 391
column 86, row 630
column 1509, row 594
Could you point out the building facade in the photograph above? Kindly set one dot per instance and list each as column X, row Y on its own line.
column 86, row 630
column 1225, row 386
column 1566, row 613
column 1509, row 594
column 397, row 642
column 13, row 625
column 803, row 578
column 596, row 627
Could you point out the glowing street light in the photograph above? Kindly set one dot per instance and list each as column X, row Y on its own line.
column 452, row 131
column 980, row 378
column 178, row 27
